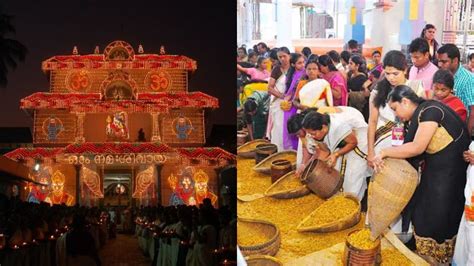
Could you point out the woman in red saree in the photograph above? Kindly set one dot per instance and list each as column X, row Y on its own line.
column 335, row 79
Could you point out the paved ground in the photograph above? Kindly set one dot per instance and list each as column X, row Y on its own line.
column 123, row 251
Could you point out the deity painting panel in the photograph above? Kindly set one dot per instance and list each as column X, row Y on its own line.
column 117, row 127
column 182, row 127
column 119, row 53
column 118, row 90
column 183, row 187
column 52, row 128
column 202, row 189
column 190, row 187
column 39, row 193
column 58, row 195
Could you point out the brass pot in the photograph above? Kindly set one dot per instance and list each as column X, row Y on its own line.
column 279, row 168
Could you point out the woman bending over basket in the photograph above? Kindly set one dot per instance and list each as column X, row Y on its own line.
column 435, row 139
column 345, row 135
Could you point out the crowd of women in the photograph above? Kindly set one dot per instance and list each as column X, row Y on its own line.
column 187, row 235
column 353, row 112
column 41, row 234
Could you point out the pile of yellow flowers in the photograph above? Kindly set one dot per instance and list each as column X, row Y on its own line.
column 248, row 235
column 248, row 181
column 290, row 182
column 285, row 105
column 361, row 239
column 392, row 256
column 286, row 214
column 334, row 209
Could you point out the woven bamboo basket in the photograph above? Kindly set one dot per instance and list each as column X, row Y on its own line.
column 248, row 149
column 389, row 192
column 262, row 260
column 269, row 247
column 264, row 166
column 275, row 190
column 341, row 224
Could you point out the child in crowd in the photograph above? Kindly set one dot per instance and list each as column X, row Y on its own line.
column 443, row 83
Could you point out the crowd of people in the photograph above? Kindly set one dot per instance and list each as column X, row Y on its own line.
column 352, row 112
column 41, row 234
column 188, row 235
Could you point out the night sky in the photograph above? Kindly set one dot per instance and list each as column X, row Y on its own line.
column 201, row 30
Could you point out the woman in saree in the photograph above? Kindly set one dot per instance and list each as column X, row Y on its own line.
column 335, row 79
column 381, row 117
column 294, row 75
column 259, row 72
column 311, row 92
column 358, row 85
column 277, row 89
column 435, row 140
column 344, row 136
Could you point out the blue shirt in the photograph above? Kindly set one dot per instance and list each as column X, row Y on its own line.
column 464, row 86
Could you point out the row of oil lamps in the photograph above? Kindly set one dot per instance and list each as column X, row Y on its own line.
column 221, row 252
column 14, row 246
column 57, row 233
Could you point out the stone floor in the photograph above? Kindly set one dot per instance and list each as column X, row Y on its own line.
column 123, row 251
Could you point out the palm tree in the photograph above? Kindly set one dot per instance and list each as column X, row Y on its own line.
column 11, row 51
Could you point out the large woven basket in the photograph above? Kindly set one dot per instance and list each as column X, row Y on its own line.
column 389, row 192
column 264, row 166
column 269, row 247
column 262, row 260
column 296, row 192
column 248, row 149
column 334, row 226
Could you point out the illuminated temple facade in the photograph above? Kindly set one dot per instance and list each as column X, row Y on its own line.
column 120, row 127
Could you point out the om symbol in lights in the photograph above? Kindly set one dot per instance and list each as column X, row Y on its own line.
column 159, row 80
column 78, row 80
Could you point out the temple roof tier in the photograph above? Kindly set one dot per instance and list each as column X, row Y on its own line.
column 99, row 61
column 33, row 153
column 117, row 148
column 38, row 153
column 92, row 102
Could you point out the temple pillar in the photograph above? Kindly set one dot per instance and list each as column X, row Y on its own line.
column 246, row 22
column 80, row 128
column 155, row 134
column 354, row 29
column 77, row 167
column 283, row 19
column 158, row 183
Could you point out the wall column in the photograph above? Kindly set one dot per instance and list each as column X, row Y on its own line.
column 413, row 21
column 284, row 24
column 77, row 167
column 159, row 189
column 354, row 29
column 80, row 128
column 155, row 134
